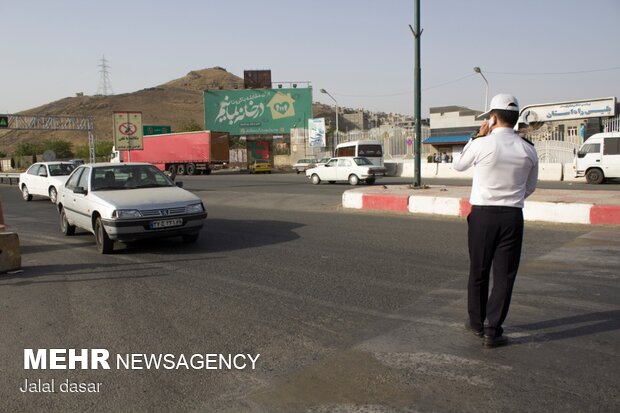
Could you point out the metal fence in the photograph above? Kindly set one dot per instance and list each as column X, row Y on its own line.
column 611, row 124
column 552, row 146
column 397, row 141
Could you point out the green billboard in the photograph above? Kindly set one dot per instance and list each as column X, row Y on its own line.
column 257, row 111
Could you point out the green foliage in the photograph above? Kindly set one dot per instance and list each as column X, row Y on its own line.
column 2, row 154
column 103, row 150
column 60, row 147
column 190, row 126
column 28, row 149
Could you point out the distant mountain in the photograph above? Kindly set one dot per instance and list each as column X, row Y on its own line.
column 174, row 103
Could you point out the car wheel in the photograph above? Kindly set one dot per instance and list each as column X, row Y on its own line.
column 53, row 195
column 208, row 171
column 190, row 238
column 104, row 244
column 315, row 179
column 297, row 171
column 25, row 194
column 181, row 169
column 65, row 227
column 353, row 179
column 370, row 181
column 190, row 168
column 595, row 176
column 331, row 182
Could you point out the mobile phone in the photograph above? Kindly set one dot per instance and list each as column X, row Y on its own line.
column 491, row 121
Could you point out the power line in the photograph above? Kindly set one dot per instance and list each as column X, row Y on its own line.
column 407, row 92
column 609, row 69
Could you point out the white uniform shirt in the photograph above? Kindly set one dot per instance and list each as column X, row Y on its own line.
column 506, row 168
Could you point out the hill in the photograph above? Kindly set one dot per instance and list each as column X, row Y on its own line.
column 174, row 103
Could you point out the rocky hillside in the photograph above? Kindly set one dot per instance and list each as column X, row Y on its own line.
column 174, row 103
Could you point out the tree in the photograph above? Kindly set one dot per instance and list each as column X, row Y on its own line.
column 190, row 126
column 27, row 149
column 102, row 150
column 60, row 147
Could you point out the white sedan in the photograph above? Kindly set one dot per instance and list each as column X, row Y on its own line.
column 44, row 179
column 127, row 202
column 346, row 168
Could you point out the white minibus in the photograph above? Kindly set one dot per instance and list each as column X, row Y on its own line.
column 598, row 158
column 373, row 150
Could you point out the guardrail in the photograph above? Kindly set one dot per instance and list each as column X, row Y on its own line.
column 9, row 179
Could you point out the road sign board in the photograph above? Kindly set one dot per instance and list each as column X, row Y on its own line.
column 128, row 130
column 155, row 129
column 4, row 121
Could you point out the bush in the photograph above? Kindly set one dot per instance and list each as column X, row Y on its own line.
column 190, row 126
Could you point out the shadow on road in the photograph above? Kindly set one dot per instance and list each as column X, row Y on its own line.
column 569, row 327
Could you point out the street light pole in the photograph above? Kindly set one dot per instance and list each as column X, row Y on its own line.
column 336, row 102
column 486, row 93
column 417, row 110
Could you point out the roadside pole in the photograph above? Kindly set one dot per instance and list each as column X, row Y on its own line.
column 417, row 32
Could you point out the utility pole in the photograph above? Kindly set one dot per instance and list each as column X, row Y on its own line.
column 417, row 145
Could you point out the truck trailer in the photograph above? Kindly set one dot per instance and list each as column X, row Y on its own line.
column 180, row 153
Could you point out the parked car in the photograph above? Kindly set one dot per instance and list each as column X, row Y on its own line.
column 303, row 164
column 260, row 165
column 127, row 202
column 44, row 179
column 321, row 162
column 346, row 168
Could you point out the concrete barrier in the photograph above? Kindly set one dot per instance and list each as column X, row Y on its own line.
column 10, row 254
column 393, row 168
column 569, row 174
column 550, row 171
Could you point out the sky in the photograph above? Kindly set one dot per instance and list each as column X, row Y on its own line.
column 360, row 51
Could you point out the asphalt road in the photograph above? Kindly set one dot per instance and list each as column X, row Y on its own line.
column 349, row 311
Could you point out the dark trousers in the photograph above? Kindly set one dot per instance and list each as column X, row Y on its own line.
column 495, row 237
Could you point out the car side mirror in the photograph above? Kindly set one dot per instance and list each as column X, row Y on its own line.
column 179, row 184
column 80, row 190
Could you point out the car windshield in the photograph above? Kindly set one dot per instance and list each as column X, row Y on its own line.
column 362, row 161
column 128, row 177
column 61, row 169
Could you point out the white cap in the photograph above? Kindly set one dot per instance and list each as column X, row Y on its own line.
column 503, row 101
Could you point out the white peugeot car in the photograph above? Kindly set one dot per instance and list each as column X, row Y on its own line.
column 44, row 179
column 127, row 202
column 346, row 168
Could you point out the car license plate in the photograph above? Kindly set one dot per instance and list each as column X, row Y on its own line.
column 166, row 223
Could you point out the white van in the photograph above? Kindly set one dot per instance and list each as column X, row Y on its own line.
column 373, row 150
column 598, row 158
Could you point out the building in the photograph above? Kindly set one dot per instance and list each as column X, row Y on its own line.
column 451, row 127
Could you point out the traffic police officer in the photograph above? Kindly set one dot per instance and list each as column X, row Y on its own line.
column 505, row 173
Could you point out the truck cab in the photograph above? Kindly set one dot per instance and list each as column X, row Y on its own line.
column 598, row 158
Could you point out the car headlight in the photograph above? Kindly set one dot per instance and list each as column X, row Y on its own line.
column 195, row 208
column 126, row 214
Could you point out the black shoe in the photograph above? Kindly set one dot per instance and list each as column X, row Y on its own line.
column 477, row 333
column 492, row 342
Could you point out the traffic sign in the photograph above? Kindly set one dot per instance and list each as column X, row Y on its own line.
column 127, row 130
column 4, row 121
column 155, row 129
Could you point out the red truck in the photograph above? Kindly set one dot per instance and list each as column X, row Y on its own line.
column 180, row 153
